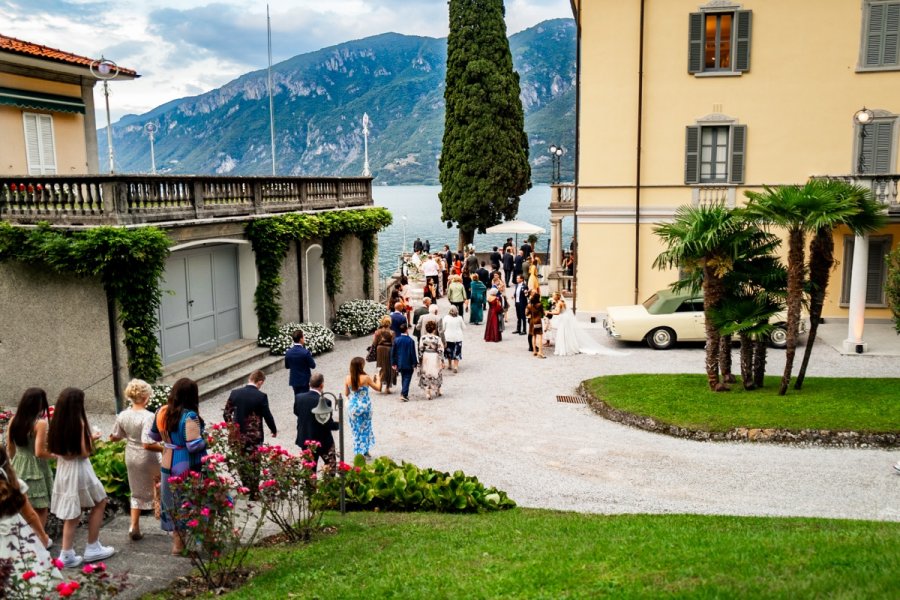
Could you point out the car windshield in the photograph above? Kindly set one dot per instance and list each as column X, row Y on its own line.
column 649, row 302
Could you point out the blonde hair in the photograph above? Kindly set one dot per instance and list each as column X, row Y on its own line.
column 138, row 389
column 385, row 321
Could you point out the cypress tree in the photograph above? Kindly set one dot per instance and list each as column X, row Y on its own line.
column 484, row 165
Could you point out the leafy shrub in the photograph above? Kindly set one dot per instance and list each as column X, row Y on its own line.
column 385, row 485
column 358, row 317
column 287, row 490
column 108, row 461
column 319, row 339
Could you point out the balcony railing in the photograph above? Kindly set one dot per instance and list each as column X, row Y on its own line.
column 137, row 199
column 562, row 196
column 884, row 188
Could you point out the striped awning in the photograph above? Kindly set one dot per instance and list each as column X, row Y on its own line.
column 41, row 101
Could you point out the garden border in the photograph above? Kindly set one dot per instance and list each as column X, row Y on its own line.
column 803, row 437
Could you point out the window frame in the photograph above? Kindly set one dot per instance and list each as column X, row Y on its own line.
column 846, row 275
column 733, row 154
column 44, row 167
column 740, row 46
column 881, row 117
column 861, row 66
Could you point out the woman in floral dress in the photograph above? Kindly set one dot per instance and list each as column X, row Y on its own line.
column 431, row 361
column 359, row 404
column 179, row 426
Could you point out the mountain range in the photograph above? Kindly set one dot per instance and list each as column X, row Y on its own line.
column 319, row 100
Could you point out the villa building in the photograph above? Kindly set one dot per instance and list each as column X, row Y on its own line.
column 684, row 103
column 59, row 330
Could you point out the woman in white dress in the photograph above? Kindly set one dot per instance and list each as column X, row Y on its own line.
column 569, row 338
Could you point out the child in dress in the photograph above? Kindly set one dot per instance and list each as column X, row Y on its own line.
column 26, row 445
column 76, row 487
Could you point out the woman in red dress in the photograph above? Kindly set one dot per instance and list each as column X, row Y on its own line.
column 494, row 314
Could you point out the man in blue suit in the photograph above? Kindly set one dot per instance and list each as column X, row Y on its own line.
column 398, row 317
column 300, row 361
column 404, row 360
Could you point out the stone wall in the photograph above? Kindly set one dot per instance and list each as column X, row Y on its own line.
column 54, row 333
column 352, row 271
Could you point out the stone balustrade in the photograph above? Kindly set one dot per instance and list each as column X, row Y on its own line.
column 138, row 199
column 562, row 197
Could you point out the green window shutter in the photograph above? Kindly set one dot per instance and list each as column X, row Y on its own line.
column 891, row 34
column 743, row 25
column 695, row 43
column 878, row 147
column 738, row 152
column 875, row 272
column 874, row 37
column 692, row 154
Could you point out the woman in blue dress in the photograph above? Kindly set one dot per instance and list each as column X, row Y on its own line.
column 359, row 404
column 179, row 426
column 477, row 298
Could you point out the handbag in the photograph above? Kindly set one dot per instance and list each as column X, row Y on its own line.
column 372, row 353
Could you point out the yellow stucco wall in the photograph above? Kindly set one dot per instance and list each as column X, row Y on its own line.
column 68, row 129
column 797, row 101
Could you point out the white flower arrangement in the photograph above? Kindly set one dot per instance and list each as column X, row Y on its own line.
column 159, row 397
column 358, row 317
column 319, row 339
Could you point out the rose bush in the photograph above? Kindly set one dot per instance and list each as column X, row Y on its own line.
column 287, row 490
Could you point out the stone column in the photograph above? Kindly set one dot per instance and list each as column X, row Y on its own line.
column 555, row 260
column 858, row 283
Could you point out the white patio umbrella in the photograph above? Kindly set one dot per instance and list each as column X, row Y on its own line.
column 516, row 227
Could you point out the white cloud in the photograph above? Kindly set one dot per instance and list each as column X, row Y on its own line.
column 183, row 47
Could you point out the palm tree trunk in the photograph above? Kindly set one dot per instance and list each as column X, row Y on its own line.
column 794, row 301
column 713, row 291
column 821, row 259
column 725, row 359
column 759, row 362
column 747, row 362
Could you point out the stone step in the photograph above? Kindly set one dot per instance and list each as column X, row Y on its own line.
column 235, row 378
column 237, row 356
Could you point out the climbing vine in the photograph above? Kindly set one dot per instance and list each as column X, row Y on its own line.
column 271, row 238
column 892, row 286
column 369, row 247
column 129, row 264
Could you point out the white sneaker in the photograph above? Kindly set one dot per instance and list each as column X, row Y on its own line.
column 70, row 559
column 897, row 466
column 97, row 551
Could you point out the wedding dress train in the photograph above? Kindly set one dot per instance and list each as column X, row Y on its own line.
column 571, row 339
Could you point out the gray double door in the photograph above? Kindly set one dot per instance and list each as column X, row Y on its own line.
column 200, row 307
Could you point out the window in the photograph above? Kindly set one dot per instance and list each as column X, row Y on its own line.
column 878, row 155
column 714, row 153
column 39, row 147
column 880, row 35
column 879, row 248
column 719, row 40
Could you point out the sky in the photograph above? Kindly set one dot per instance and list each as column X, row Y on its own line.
column 187, row 47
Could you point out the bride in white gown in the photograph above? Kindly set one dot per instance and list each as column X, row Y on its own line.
column 571, row 339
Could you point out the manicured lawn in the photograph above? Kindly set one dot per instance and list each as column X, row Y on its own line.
column 544, row 554
column 823, row 403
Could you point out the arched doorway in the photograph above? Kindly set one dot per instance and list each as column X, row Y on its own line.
column 314, row 285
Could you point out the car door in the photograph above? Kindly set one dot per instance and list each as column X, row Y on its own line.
column 688, row 321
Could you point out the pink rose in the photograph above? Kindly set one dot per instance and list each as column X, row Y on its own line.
column 28, row 575
column 204, row 511
column 193, row 523
column 87, row 569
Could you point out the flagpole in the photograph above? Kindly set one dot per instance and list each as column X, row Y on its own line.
column 269, row 86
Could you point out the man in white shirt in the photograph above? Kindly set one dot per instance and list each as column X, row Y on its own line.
column 431, row 271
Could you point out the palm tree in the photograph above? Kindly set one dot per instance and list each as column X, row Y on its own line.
column 869, row 217
column 700, row 241
column 798, row 210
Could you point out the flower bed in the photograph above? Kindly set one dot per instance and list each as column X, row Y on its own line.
column 319, row 339
column 358, row 317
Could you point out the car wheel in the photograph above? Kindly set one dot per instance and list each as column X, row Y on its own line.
column 778, row 336
column 661, row 338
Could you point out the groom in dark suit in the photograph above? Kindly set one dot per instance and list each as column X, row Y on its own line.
column 520, row 296
column 316, row 426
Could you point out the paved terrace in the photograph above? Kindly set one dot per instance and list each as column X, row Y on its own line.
column 499, row 419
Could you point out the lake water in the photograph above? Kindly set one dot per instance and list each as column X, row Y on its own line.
column 422, row 209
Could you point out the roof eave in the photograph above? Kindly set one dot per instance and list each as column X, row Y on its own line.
column 57, row 66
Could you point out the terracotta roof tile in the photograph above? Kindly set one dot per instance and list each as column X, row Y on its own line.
column 15, row 46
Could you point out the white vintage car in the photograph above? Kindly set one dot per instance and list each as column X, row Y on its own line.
column 666, row 317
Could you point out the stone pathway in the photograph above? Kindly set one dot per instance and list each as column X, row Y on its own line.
column 499, row 419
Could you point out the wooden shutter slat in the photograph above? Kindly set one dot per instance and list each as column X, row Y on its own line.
column 695, row 43
column 875, row 272
column 48, row 148
column 882, row 143
column 890, row 48
column 692, row 154
column 738, row 153
column 743, row 26
column 874, row 35
column 32, row 144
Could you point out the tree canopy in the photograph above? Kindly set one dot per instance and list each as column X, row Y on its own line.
column 484, row 165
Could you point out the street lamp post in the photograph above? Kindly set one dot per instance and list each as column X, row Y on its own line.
column 324, row 410
column 556, row 153
column 862, row 118
column 151, row 128
column 366, row 171
column 104, row 70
